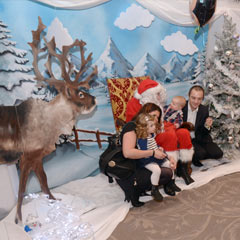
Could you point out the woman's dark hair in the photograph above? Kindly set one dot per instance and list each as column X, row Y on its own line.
column 148, row 108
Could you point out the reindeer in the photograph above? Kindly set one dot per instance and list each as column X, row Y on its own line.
column 30, row 130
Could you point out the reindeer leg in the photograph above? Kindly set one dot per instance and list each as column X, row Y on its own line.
column 42, row 177
column 25, row 170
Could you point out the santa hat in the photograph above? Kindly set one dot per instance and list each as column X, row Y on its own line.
column 144, row 86
column 147, row 89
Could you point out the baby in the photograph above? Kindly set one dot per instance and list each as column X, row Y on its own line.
column 173, row 114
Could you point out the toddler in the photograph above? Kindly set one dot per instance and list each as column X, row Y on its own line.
column 146, row 129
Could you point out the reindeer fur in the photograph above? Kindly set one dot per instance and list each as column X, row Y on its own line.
column 36, row 119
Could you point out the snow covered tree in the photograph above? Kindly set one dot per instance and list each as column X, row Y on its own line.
column 199, row 71
column 222, row 84
column 16, row 82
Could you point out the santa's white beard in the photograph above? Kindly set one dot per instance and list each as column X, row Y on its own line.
column 151, row 99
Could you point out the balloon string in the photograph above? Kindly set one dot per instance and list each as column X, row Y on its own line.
column 203, row 39
column 196, row 31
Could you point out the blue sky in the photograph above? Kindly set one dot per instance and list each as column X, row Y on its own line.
column 94, row 26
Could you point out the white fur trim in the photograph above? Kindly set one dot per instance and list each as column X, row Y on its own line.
column 174, row 154
column 186, row 155
column 137, row 95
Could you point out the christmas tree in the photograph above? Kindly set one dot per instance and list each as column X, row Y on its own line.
column 222, row 85
column 16, row 80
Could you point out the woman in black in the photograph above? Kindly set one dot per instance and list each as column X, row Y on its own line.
column 139, row 183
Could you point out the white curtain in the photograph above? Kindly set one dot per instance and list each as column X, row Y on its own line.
column 172, row 11
column 178, row 11
column 72, row 4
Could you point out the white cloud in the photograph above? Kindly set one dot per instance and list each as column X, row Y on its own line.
column 62, row 37
column 178, row 42
column 135, row 16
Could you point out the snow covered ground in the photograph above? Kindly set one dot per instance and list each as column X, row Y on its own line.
column 99, row 204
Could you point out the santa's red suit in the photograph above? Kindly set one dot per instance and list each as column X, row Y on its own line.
column 176, row 143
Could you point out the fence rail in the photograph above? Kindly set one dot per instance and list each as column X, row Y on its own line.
column 97, row 134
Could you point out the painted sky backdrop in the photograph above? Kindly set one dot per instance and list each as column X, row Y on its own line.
column 96, row 24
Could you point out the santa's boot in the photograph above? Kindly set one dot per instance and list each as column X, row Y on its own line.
column 185, row 156
column 183, row 172
column 172, row 185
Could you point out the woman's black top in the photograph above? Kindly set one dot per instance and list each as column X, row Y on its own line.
column 128, row 127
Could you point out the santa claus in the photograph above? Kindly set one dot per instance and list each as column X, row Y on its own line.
column 176, row 143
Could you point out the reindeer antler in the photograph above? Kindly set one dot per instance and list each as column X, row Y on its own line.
column 35, row 48
column 63, row 61
column 84, row 63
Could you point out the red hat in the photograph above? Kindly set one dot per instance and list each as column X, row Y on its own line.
column 145, row 85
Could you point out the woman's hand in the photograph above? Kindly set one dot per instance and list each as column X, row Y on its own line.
column 159, row 154
column 160, row 148
column 173, row 164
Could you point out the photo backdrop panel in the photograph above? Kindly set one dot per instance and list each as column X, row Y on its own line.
column 122, row 46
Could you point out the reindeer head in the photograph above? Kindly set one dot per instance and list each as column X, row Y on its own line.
column 83, row 103
column 70, row 87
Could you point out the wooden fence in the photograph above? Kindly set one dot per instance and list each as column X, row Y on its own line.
column 97, row 134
